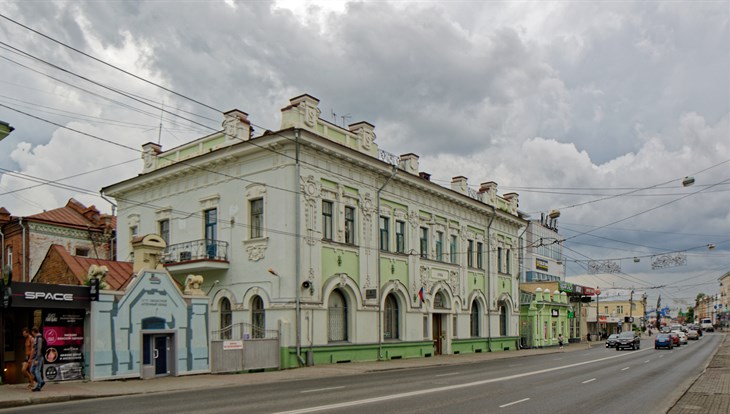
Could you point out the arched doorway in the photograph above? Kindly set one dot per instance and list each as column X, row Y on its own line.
column 337, row 317
column 391, row 328
column 258, row 317
column 226, row 318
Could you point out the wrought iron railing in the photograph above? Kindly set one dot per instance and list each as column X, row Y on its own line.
column 196, row 250
column 245, row 331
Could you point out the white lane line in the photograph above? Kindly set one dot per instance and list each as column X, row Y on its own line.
column 587, row 381
column 513, row 403
column 322, row 389
column 624, row 369
column 647, row 361
column 661, row 355
column 446, row 375
column 448, row 387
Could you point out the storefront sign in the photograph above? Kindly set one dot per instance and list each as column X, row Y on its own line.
column 565, row 287
column 555, row 313
column 41, row 295
column 541, row 264
column 589, row 291
column 63, row 331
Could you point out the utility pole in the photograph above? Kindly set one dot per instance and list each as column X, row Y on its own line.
column 631, row 310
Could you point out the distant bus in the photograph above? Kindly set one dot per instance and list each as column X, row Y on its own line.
column 706, row 325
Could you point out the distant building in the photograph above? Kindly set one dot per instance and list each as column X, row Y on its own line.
column 543, row 258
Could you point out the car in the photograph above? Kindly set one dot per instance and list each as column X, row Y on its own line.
column 682, row 338
column 706, row 324
column 611, row 341
column 628, row 339
column 675, row 338
column 693, row 335
column 665, row 329
column 663, row 340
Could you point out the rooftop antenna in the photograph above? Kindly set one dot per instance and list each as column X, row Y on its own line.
column 344, row 117
column 159, row 131
column 334, row 116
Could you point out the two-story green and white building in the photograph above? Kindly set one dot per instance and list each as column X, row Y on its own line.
column 350, row 252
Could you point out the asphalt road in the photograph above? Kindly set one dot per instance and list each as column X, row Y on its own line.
column 596, row 380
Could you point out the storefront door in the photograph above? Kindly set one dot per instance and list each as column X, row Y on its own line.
column 156, row 354
column 437, row 333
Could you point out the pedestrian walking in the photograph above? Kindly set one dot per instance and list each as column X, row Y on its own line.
column 28, row 356
column 37, row 359
column 560, row 340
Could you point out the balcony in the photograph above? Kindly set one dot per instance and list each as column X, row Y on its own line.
column 196, row 256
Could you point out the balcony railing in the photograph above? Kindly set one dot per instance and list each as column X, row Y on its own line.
column 196, row 250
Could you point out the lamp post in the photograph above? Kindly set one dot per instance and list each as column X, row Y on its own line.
column 598, row 311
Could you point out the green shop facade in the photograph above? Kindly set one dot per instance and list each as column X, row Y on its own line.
column 546, row 314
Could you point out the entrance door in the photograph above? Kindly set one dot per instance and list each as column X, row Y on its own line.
column 436, row 333
column 161, row 344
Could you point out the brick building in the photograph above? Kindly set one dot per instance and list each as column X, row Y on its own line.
column 82, row 231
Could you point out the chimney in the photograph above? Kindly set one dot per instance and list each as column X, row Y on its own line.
column 409, row 163
column 147, row 251
column 490, row 190
column 4, row 216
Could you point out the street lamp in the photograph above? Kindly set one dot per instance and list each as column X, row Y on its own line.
column 598, row 311
column 5, row 130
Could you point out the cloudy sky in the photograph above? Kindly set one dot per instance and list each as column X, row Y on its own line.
column 598, row 109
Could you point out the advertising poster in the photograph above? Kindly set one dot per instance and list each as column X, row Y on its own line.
column 63, row 331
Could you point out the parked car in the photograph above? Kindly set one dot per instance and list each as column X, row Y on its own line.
column 611, row 341
column 675, row 338
column 706, row 324
column 665, row 329
column 697, row 328
column 663, row 341
column 628, row 339
column 693, row 335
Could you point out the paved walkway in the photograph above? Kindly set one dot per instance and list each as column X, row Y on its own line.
column 710, row 392
column 18, row 395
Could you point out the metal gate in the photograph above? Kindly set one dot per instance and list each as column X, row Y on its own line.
column 243, row 347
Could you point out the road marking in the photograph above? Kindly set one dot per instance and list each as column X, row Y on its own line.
column 587, row 381
column 446, row 375
column 513, row 403
column 322, row 389
column 514, row 365
column 557, row 359
column 647, row 361
column 663, row 355
column 624, row 369
column 448, row 387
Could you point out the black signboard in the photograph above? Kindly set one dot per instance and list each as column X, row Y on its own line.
column 41, row 295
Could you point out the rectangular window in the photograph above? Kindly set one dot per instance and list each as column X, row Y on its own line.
column 470, row 254
column 499, row 259
column 425, row 326
column 424, row 242
column 455, row 331
column 454, row 248
column 164, row 230
column 440, row 246
column 384, row 233
column 480, row 255
column 350, row 225
column 400, row 236
column 508, row 260
column 133, row 230
column 327, row 220
column 211, row 232
column 81, row 251
column 257, row 218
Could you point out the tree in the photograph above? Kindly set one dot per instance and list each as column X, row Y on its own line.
column 700, row 297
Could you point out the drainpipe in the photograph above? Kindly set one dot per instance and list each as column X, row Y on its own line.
column 2, row 253
column 489, row 271
column 377, row 268
column 22, row 275
column 297, row 256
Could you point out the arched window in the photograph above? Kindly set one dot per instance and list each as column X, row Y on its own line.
column 337, row 317
column 474, row 320
column 258, row 318
column 390, row 318
column 503, row 320
column 226, row 322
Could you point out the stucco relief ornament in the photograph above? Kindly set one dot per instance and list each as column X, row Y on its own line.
column 310, row 115
column 343, row 280
column 256, row 252
column 464, row 233
column 367, row 139
column 454, row 276
column 148, row 157
column 414, row 220
column 310, row 187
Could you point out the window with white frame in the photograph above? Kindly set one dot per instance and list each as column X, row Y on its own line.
column 480, row 255
column 500, row 268
column 384, row 233
column 454, row 248
column 350, row 225
column 400, row 236
column 326, row 220
column 440, row 246
column 424, row 242
column 470, row 254
column 163, row 228
column 257, row 217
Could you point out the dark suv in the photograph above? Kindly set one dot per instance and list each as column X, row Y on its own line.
column 628, row 339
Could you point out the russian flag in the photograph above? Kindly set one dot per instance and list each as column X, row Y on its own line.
column 420, row 294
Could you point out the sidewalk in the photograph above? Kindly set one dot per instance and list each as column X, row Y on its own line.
column 710, row 392
column 19, row 395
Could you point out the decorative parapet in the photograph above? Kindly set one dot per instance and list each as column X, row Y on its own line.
column 236, row 128
column 409, row 163
column 303, row 112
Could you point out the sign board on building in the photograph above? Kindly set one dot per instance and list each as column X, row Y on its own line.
column 232, row 345
column 555, row 312
column 541, row 264
column 41, row 295
column 589, row 291
column 565, row 287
